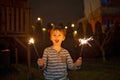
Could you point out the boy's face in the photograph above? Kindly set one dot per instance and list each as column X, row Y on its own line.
column 57, row 37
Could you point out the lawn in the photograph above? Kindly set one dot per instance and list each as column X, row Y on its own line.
column 97, row 70
column 91, row 69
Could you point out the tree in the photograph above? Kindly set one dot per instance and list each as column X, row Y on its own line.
column 103, row 40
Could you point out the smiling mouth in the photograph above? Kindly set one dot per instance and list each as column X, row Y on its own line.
column 56, row 41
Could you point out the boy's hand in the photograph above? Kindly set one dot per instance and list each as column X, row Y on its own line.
column 40, row 62
column 78, row 61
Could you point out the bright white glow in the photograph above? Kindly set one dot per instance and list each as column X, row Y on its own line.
column 31, row 41
column 73, row 25
column 85, row 41
column 38, row 18
column 66, row 27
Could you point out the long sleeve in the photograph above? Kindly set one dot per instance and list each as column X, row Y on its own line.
column 45, row 55
column 70, row 63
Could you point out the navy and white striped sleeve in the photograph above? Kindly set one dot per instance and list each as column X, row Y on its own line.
column 45, row 55
column 70, row 63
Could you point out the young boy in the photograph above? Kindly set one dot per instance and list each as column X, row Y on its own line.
column 56, row 60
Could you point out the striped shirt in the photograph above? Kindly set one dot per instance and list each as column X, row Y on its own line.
column 57, row 63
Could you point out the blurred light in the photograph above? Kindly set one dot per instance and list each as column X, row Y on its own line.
column 75, row 32
column 38, row 18
column 104, row 1
column 52, row 24
column 43, row 29
column 72, row 25
column 33, row 27
column 66, row 27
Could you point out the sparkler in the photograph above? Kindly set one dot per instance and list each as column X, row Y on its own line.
column 84, row 41
column 31, row 41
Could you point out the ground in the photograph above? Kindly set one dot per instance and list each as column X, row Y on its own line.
column 91, row 69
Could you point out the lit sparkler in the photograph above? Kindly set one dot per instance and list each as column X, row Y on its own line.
column 31, row 41
column 84, row 41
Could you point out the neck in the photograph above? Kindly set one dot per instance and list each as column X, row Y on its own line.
column 56, row 47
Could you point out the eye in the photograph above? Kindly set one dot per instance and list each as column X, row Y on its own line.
column 54, row 35
column 59, row 35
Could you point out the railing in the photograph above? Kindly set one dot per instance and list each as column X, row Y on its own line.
column 14, row 20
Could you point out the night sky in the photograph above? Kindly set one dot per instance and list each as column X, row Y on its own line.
column 57, row 11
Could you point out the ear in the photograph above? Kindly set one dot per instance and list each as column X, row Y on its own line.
column 63, row 39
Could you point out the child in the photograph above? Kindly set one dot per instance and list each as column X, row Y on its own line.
column 56, row 60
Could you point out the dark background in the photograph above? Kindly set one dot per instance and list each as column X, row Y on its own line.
column 56, row 11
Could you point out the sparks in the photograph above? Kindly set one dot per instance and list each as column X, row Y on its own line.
column 31, row 41
column 85, row 41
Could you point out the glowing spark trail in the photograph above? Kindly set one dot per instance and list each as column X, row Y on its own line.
column 83, row 42
column 31, row 41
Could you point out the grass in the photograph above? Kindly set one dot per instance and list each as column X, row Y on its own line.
column 97, row 71
column 93, row 69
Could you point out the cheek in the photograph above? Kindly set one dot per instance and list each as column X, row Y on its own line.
column 52, row 39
